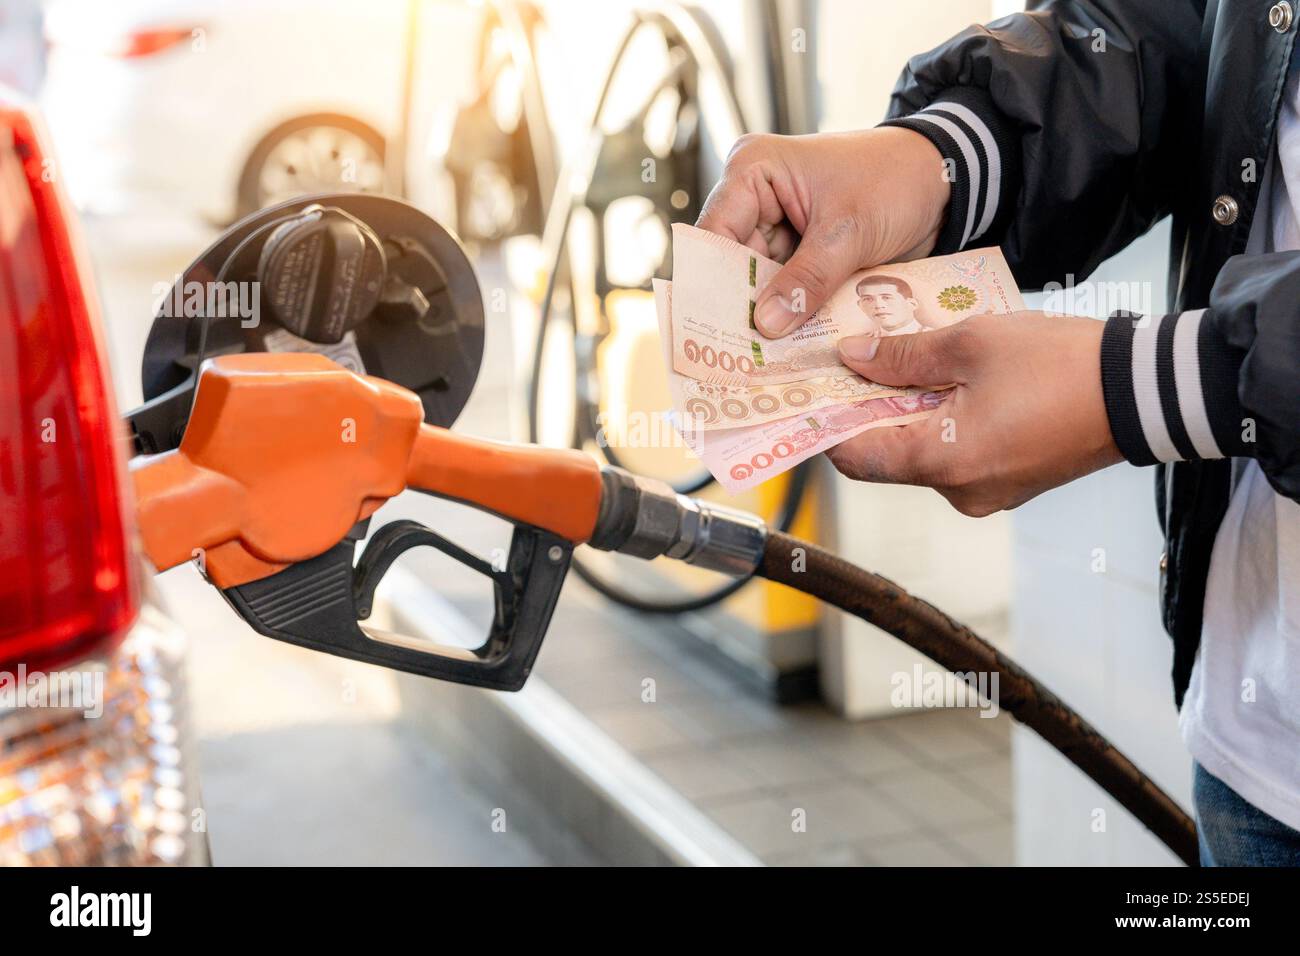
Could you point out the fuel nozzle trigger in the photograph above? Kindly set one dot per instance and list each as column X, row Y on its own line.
column 319, row 603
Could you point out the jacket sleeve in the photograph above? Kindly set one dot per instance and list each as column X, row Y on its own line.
column 1218, row 382
column 1064, row 128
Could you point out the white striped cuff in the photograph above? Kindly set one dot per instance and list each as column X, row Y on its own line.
column 980, row 152
column 983, row 164
column 1170, row 388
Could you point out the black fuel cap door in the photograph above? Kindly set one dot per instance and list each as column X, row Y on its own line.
column 372, row 282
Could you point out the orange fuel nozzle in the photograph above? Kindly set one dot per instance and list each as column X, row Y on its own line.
column 284, row 453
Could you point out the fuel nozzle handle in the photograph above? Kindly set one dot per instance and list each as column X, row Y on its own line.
column 645, row 518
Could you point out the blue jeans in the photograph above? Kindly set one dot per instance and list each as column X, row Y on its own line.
column 1232, row 832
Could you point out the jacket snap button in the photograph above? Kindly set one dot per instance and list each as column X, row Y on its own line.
column 1280, row 16
column 1164, row 561
column 1225, row 209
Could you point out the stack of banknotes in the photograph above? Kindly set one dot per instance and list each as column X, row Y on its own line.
column 751, row 407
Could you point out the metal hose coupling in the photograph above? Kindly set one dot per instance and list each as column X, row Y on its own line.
column 644, row 517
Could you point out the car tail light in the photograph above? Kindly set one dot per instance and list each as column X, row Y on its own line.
column 100, row 776
column 67, row 575
column 113, row 786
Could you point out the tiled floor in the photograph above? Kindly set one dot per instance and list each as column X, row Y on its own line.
column 796, row 785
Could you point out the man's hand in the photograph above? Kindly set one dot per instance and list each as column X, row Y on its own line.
column 1026, row 415
column 827, row 205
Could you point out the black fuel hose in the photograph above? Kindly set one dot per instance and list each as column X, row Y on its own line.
column 960, row 650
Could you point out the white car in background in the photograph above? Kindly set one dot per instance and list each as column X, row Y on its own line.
column 219, row 107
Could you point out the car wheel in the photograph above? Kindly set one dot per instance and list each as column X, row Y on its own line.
column 312, row 155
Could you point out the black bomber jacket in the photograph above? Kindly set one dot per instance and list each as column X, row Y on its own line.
column 1072, row 129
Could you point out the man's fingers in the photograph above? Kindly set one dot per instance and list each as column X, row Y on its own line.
column 776, row 242
column 890, row 455
column 731, row 210
column 782, row 240
column 743, row 205
column 825, row 257
column 920, row 358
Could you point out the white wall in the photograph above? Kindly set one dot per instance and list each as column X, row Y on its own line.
column 863, row 46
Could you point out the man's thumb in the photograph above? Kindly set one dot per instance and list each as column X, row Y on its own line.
column 820, row 264
column 921, row 358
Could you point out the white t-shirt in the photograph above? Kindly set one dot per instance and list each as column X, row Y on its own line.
column 1241, row 715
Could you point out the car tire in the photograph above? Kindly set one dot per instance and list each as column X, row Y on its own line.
column 327, row 142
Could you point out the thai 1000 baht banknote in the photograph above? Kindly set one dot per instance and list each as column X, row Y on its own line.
column 741, row 458
column 716, row 283
column 710, row 406
column 707, row 405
